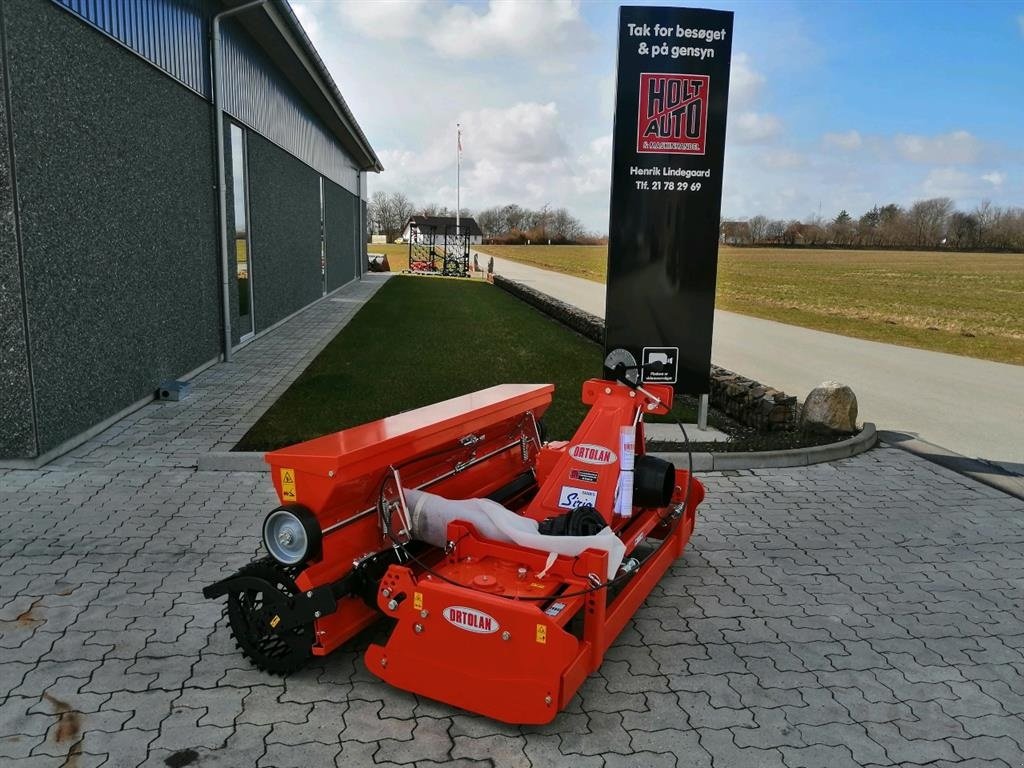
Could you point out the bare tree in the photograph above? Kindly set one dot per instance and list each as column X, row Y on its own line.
column 389, row 212
column 758, row 229
column 928, row 220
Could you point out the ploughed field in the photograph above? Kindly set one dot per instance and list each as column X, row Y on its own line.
column 962, row 303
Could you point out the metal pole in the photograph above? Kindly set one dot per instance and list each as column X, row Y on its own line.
column 458, row 176
column 222, row 195
column 361, row 240
column 702, row 412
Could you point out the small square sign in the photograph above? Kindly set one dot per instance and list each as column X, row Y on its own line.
column 660, row 364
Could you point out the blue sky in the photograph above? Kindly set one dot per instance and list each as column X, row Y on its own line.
column 833, row 105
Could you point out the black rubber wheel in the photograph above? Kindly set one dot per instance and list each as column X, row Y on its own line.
column 250, row 612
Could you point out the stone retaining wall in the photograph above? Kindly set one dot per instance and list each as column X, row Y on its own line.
column 747, row 401
column 752, row 403
column 584, row 323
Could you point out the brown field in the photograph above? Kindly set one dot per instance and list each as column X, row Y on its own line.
column 962, row 303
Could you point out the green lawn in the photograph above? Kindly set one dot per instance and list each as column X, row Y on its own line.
column 961, row 303
column 421, row 340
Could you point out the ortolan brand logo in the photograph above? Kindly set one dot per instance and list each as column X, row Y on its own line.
column 673, row 116
column 470, row 619
column 592, row 454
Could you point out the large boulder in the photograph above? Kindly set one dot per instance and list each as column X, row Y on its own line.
column 830, row 409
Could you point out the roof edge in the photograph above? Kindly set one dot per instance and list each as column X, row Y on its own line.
column 325, row 81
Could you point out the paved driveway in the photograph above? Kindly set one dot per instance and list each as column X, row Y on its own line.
column 867, row 612
column 973, row 407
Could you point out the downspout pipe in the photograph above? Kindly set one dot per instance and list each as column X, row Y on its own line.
column 217, row 66
column 361, row 225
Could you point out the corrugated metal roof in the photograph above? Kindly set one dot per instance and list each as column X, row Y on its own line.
column 170, row 35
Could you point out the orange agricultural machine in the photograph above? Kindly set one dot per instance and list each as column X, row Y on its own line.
column 507, row 565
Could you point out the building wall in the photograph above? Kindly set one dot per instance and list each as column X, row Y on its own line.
column 118, row 220
column 340, row 218
column 170, row 34
column 284, row 206
column 17, row 432
column 174, row 36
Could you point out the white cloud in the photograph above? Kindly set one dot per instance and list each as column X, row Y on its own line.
column 387, row 19
column 307, row 17
column 783, row 159
column 514, row 154
column 745, row 83
column 956, row 148
column 754, row 128
column 746, row 124
column 526, row 132
column 949, row 182
column 848, row 141
column 995, row 178
column 543, row 31
column 511, row 27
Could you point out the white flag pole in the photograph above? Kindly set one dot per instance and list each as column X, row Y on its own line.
column 458, row 176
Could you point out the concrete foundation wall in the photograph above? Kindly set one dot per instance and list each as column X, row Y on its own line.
column 284, row 208
column 118, row 218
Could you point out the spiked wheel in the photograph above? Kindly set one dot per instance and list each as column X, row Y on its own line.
column 250, row 612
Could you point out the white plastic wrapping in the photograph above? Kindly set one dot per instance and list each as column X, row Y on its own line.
column 624, row 491
column 430, row 515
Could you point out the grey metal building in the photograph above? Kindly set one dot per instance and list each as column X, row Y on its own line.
column 119, row 249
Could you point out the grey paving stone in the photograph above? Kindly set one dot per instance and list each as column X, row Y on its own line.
column 819, row 756
column 605, row 734
column 864, row 612
column 853, row 736
column 430, row 740
column 362, row 722
column 499, row 750
column 278, row 755
column 724, row 751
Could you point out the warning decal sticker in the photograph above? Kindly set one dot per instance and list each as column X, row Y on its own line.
column 288, row 485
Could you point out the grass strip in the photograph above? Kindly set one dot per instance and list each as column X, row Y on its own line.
column 420, row 340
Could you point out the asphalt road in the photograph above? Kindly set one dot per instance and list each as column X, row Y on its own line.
column 972, row 407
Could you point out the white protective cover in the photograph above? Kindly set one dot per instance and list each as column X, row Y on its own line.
column 431, row 514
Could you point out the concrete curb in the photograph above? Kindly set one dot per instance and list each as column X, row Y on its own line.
column 985, row 472
column 793, row 457
column 242, row 461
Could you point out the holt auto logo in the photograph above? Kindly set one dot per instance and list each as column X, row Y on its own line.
column 673, row 115
column 470, row 619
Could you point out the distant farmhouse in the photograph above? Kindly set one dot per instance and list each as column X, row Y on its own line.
column 428, row 227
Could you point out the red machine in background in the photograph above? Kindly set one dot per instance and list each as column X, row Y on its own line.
column 507, row 565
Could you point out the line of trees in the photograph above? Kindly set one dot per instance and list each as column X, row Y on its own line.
column 388, row 212
column 932, row 223
column 515, row 224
